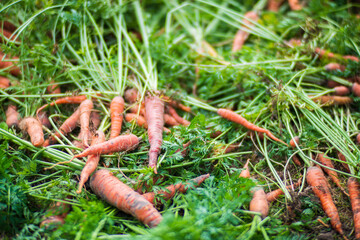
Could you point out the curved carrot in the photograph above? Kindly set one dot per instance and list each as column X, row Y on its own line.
column 169, row 120
column 154, row 108
column 179, row 119
column 241, row 35
column 173, row 189
column 316, row 179
column 116, row 193
column 259, row 203
column 12, row 116
column 246, row 172
column 92, row 161
column 116, row 111
column 234, row 117
column 34, row 128
column 273, row 195
column 354, row 192
column 85, row 111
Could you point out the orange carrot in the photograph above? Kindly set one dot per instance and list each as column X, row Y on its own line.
column 8, row 26
column 117, row 194
column 140, row 120
column 234, row 117
column 342, row 158
column 154, row 108
column 259, row 203
column 131, row 95
column 116, row 111
column 12, row 116
column 135, row 109
column 333, row 175
column 354, row 192
column 85, row 111
column 294, row 141
column 274, row 5
column 173, row 189
column 53, row 88
column 352, row 58
column 179, row 119
column 95, row 120
column 169, row 120
column 241, row 35
column 295, row 5
column 334, row 66
column 4, row 82
column 10, row 64
column 176, row 104
column 333, row 100
column 52, row 221
column 356, row 89
column 34, row 128
column 341, row 91
column 296, row 160
column 246, row 172
column 316, row 179
column 44, row 120
column 7, row 34
column 65, row 100
column 273, row 195
column 92, row 161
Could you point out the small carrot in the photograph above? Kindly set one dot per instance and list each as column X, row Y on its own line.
column 169, row 120
column 7, row 34
column 334, row 66
column 226, row 149
column 116, row 111
column 92, row 161
column 273, row 195
column 259, row 203
column 295, row 5
column 333, row 175
column 234, row 117
column 341, row 91
column 333, row 100
column 10, row 64
column 354, row 192
column 176, row 104
column 332, row 84
column 174, row 114
column 173, row 189
column 34, row 128
column 241, row 35
column 54, row 221
column 245, row 173
column 352, row 58
column 8, row 26
column 117, row 194
column 296, row 160
column 342, row 158
column 44, row 120
column 316, row 179
column 131, row 95
column 85, row 111
column 154, row 108
column 53, row 88
column 95, row 120
column 140, row 120
column 135, row 109
column 12, row 116
column 4, row 82
column 356, row 89
column 294, row 141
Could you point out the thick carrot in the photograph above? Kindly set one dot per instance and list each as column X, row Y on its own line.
column 333, row 175
column 154, row 108
column 234, row 117
column 116, row 193
column 241, row 35
column 354, row 192
column 316, row 179
column 92, row 161
column 342, row 158
column 34, row 128
column 274, row 5
column 259, row 203
column 10, row 64
column 273, row 195
column 356, row 89
column 65, row 100
column 295, row 5
column 174, row 114
column 246, row 172
column 169, row 120
column 4, row 82
column 334, row 66
column 333, row 100
column 12, row 116
column 173, row 189
column 85, row 111
column 116, row 111
column 53, row 88
column 341, row 90
column 352, row 58
column 131, row 95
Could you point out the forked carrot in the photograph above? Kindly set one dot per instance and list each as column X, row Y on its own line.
column 259, row 203
column 117, row 194
column 154, row 108
column 316, row 179
column 12, row 116
column 241, row 35
column 246, row 172
column 116, row 111
column 173, row 189
column 234, row 117
column 92, row 161
column 354, row 192
column 174, row 114
column 273, row 195
column 333, row 175
column 33, row 127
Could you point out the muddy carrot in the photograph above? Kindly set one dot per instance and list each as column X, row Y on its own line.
column 34, row 128
column 116, row 193
column 116, row 111
column 273, row 195
column 354, row 192
column 12, row 116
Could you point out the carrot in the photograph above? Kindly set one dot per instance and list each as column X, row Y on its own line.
column 342, row 158
column 179, row 119
column 274, row 5
column 140, row 120
column 316, row 179
column 4, row 82
column 131, row 95
column 324, row 53
column 34, row 128
column 332, row 84
column 246, row 172
column 294, row 141
column 12, row 116
column 135, row 109
column 85, row 111
column 358, row 138
column 215, row 134
column 259, row 203
column 296, row 160
column 295, row 5
column 53, row 88
column 183, row 151
column 333, row 100
column 8, row 26
column 241, row 35
column 341, row 91
column 154, row 108
column 95, row 120
column 116, row 111
column 7, row 34
column 52, row 221
column 354, row 192
column 294, row 42
column 169, row 120
column 44, row 120
column 92, row 161
column 225, row 149
column 356, row 89
column 9, row 65
column 334, row 66
column 171, row 190
column 117, row 194
column 273, row 195
column 333, row 175
column 352, row 58
column 234, row 117
column 176, row 104
column 65, row 100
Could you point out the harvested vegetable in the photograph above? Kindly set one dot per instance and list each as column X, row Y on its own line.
column 246, row 172
column 12, row 116
column 116, row 111
column 259, row 202
column 174, row 114
column 242, row 35
column 354, row 192
column 34, row 128
column 4, row 82
column 273, row 195
column 332, row 100
column 85, row 109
